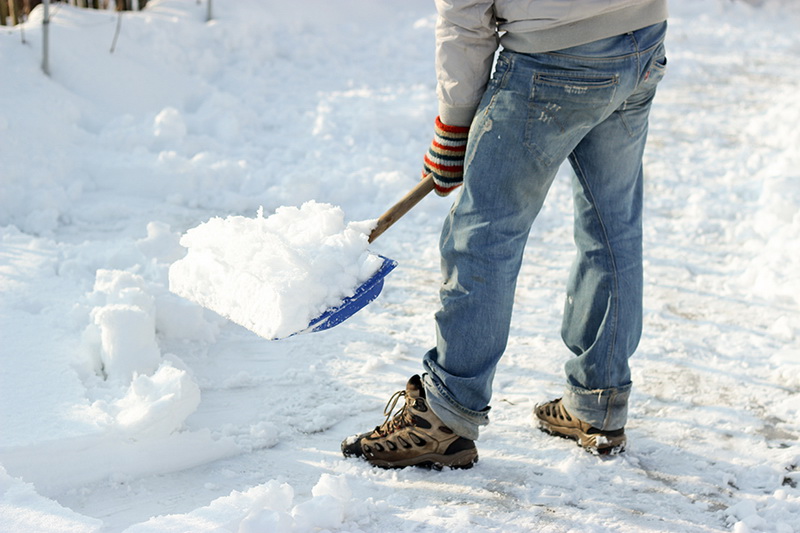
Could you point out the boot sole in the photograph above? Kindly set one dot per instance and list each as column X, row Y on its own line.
column 595, row 443
column 464, row 459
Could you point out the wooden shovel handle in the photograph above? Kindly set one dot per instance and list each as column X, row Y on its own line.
column 403, row 206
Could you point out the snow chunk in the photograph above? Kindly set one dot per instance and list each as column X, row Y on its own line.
column 320, row 512
column 274, row 275
column 169, row 124
column 748, row 518
column 161, row 243
column 329, row 505
column 157, row 405
column 122, row 332
column 127, row 338
column 786, row 362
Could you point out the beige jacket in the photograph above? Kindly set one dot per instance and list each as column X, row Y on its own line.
column 469, row 32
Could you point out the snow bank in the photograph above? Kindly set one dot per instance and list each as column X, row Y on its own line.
column 274, row 275
column 23, row 509
column 269, row 507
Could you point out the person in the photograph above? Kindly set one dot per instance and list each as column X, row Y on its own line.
column 572, row 81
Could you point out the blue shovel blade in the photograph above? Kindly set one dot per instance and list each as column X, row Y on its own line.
column 364, row 294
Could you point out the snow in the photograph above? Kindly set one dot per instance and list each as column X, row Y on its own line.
column 275, row 275
column 127, row 408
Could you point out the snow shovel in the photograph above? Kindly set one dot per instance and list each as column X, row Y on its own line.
column 370, row 289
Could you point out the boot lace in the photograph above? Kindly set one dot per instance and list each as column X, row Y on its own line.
column 400, row 419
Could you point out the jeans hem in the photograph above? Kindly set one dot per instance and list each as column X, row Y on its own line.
column 464, row 422
column 605, row 409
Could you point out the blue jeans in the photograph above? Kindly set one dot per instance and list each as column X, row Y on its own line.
column 589, row 104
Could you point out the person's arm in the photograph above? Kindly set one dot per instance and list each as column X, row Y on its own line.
column 466, row 40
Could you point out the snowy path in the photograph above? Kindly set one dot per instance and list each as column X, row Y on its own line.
column 225, row 431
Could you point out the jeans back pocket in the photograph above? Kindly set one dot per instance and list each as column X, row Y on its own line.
column 563, row 106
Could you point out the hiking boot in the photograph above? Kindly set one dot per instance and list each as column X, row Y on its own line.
column 554, row 419
column 413, row 436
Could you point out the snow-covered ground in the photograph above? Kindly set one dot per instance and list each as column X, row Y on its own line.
column 126, row 408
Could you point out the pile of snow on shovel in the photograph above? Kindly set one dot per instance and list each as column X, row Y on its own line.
column 274, row 275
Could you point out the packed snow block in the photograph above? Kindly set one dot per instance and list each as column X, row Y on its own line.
column 122, row 332
column 274, row 275
column 127, row 336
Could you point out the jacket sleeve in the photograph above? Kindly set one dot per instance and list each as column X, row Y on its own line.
column 466, row 40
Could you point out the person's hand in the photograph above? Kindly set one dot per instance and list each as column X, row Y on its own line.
column 445, row 158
